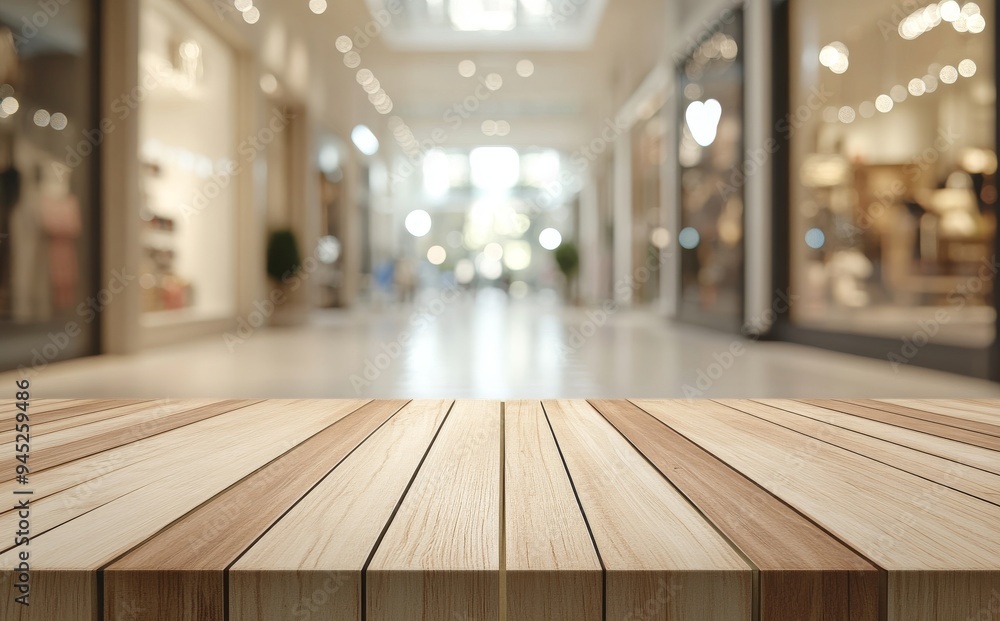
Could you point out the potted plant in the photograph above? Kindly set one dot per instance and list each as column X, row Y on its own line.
column 286, row 293
column 568, row 259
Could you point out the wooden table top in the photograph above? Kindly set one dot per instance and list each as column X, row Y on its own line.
column 394, row 510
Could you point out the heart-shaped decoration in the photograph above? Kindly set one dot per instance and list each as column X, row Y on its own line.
column 703, row 120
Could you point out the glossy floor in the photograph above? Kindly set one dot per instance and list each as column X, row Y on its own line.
column 484, row 346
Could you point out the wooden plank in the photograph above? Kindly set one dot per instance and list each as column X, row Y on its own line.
column 947, row 412
column 40, row 413
column 552, row 569
column 440, row 557
column 932, row 428
column 41, row 428
column 61, row 447
column 900, row 522
column 972, row 481
column 663, row 560
column 805, row 574
column 66, row 559
column 977, row 457
column 310, row 563
column 179, row 574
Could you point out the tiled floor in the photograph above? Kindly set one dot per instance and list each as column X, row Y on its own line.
column 483, row 346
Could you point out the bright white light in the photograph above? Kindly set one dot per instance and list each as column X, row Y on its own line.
column 503, row 128
column 437, row 180
column 494, row 82
column 815, row 239
column 703, row 120
column 10, row 105
column 329, row 158
column 976, row 24
column 352, row 59
column 949, row 74
column 465, row 271
column 268, row 83
column 538, row 8
column 688, row 238
column 251, row 15
column 660, row 237
column 883, row 103
column 42, row 118
column 489, row 128
column 550, row 239
column 328, row 249
column 494, row 168
column 466, row 68
column 418, row 223
column 967, row 68
column 846, row 114
column 344, row 44
column 840, row 66
column 488, row 268
column 243, row 5
column 364, row 140
column 59, row 121
column 525, row 68
column 517, row 255
column 317, row 6
column 916, row 87
column 828, row 55
column 437, row 255
column 950, row 11
column 473, row 15
column 493, row 251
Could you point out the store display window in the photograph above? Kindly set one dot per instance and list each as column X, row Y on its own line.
column 893, row 169
column 190, row 166
column 710, row 153
column 49, row 156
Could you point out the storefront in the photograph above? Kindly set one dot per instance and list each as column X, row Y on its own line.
column 51, row 294
column 710, row 192
column 886, row 182
column 189, row 160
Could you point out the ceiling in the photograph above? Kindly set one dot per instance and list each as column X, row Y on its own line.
column 586, row 65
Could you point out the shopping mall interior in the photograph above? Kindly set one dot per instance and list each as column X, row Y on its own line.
column 499, row 198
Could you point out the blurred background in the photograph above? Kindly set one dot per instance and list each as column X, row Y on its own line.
column 499, row 198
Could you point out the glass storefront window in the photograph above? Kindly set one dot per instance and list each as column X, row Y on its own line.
column 711, row 189
column 49, row 307
column 893, row 168
column 189, row 161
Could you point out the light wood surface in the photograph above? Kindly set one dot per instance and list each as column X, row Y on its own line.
column 312, row 560
column 771, row 510
column 804, row 572
column 899, row 521
column 553, row 573
column 440, row 556
column 694, row 574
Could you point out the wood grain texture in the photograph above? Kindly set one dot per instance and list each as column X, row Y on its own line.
column 179, row 573
column 977, row 457
column 553, row 572
column 440, row 557
column 207, row 466
column 900, row 522
column 310, row 563
column 916, row 424
column 662, row 559
column 40, row 426
column 804, row 573
column 951, row 413
column 972, row 481
column 67, row 445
